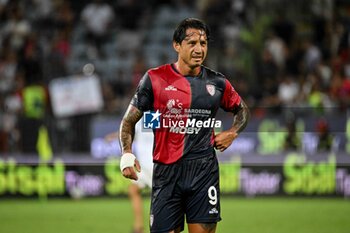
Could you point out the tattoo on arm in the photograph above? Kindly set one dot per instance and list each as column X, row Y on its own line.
column 127, row 128
column 241, row 118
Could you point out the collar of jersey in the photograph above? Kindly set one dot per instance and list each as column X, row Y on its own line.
column 187, row 76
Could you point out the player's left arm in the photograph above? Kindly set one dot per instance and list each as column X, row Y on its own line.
column 241, row 116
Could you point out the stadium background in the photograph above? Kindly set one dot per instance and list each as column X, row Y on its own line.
column 66, row 77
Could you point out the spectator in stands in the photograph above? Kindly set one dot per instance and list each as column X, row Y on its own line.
column 277, row 47
column 34, row 95
column 130, row 14
column 98, row 17
column 312, row 56
column 16, row 28
column 340, row 90
column 10, row 103
column 266, row 72
column 325, row 138
column 318, row 100
column 292, row 141
column 35, row 103
column 8, row 68
column 288, row 91
column 64, row 16
column 284, row 28
column 138, row 69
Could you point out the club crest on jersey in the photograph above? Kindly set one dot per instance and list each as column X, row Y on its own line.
column 210, row 89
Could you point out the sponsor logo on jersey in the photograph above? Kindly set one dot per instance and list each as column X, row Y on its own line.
column 180, row 124
column 174, row 106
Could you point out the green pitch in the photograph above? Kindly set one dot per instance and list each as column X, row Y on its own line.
column 240, row 215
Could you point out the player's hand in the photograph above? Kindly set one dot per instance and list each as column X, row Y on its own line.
column 128, row 164
column 130, row 173
column 224, row 139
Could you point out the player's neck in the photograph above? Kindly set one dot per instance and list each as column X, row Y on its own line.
column 185, row 70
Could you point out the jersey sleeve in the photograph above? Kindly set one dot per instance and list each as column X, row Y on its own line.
column 230, row 99
column 143, row 98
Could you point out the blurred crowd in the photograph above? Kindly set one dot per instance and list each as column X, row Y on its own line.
column 278, row 54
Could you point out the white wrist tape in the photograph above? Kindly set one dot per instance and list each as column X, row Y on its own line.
column 127, row 160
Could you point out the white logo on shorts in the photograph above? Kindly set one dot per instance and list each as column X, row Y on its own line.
column 151, row 218
column 213, row 211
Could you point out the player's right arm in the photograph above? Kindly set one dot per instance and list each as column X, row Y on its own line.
column 126, row 137
column 141, row 102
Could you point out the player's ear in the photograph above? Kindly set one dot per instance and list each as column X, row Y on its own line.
column 176, row 46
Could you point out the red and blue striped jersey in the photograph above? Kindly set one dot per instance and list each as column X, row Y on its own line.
column 188, row 106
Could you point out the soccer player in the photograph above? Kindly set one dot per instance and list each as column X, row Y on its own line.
column 142, row 146
column 180, row 101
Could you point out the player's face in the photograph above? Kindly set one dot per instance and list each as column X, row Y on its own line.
column 193, row 49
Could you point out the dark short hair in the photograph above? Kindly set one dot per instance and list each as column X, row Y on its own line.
column 180, row 31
